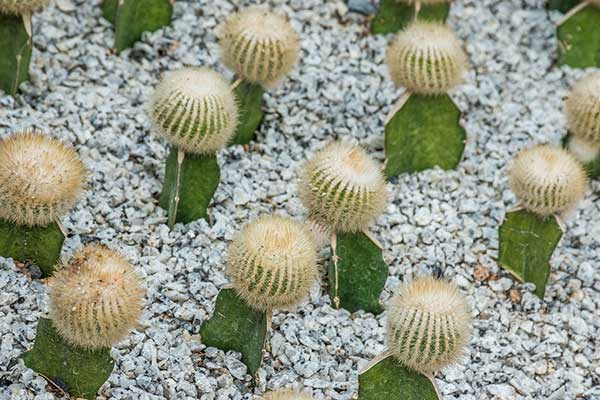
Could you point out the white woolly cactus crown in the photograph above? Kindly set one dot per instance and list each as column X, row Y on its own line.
column 343, row 188
column 427, row 58
column 195, row 109
column 40, row 178
column 273, row 263
column 547, row 180
column 260, row 46
column 287, row 395
column 21, row 7
column 428, row 324
column 583, row 108
column 95, row 298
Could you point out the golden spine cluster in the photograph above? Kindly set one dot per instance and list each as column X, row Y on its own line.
column 583, row 108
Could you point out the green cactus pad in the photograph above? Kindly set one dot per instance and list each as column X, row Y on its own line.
column 81, row 371
column 562, row 5
column 250, row 100
column 109, row 10
column 424, row 133
column 15, row 51
column 238, row 327
column 41, row 245
column 199, row 177
column 527, row 242
column 394, row 15
column 133, row 17
column 361, row 274
column 389, row 380
column 579, row 39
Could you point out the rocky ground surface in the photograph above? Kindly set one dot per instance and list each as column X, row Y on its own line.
column 80, row 91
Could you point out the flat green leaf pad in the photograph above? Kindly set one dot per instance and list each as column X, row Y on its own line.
column 41, row 245
column 424, row 133
column 238, row 327
column 562, row 5
column 199, row 177
column 360, row 276
column 109, row 10
column 527, row 242
column 394, row 15
column 15, row 52
column 579, row 39
column 250, row 99
column 81, row 371
column 389, row 380
column 133, row 17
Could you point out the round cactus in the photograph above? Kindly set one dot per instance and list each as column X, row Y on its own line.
column 287, row 395
column 428, row 324
column 427, row 58
column 547, row 180
column 21, row 7
column 95, row 298
column 260, row 46
column 40, row 178
column 195, row 109
column 273, row 263
column 583, row 108
column 343, row 188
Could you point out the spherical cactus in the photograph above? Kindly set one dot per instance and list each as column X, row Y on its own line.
column 428, row 324
column 40, row 179
column 583, row 108
column 21, row 7
column 260, row 46
column 427, row 58
column 343, row 188
column 273, row 263
column 195, row 109
column 547, row 180
column 287, row 395
column 95, row 298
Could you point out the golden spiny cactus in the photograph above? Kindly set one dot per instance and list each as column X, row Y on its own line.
column 427, row 58
column 547, row 180
column 195, row 109
column 40, row 178
column 428, row 324
column 21, row 7
column 273, row 263
column 343, row 188
column 95, row 298
column 287, row 395
column 583, row 108
column 260, row 46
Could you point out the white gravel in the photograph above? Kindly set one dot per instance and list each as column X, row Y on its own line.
column 448, row 221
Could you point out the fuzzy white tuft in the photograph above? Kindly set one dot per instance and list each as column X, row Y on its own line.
column 583, row 150
column 583, row 108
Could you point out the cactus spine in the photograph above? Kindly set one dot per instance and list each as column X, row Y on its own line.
column 287, row 395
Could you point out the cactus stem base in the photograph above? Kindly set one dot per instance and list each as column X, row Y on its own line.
column 78, row 371
column 238, row 327
column 15, row 51
column 250, row 101
column 40, row 245
column 392, row 15
column 190, row 184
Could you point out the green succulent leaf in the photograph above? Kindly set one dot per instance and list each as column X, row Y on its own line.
column 236, row 326
column 109, row 10
column 393, row 15
column 133, row 17
column 562, row 5
column 527, row 242
column 41, row 245
column 389, row 380
column 250, row 100
column 424, row 133
column 579, row 39
column 190, row 186
column 81, row 372
column 360, row 276
column 15, row 51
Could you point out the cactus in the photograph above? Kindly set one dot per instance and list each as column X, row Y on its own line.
column 272, row 264
column 394, row 15
column 196, row 111
column 583, row 120
column 95, row 300
column 344, row 191
column 287, row 395
column 40, row 180
column 579, row 36
column 131, row 18
column 261, row 48
column 548, row 181
column 428, row 327
column 427, row 59
column 16, row 41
